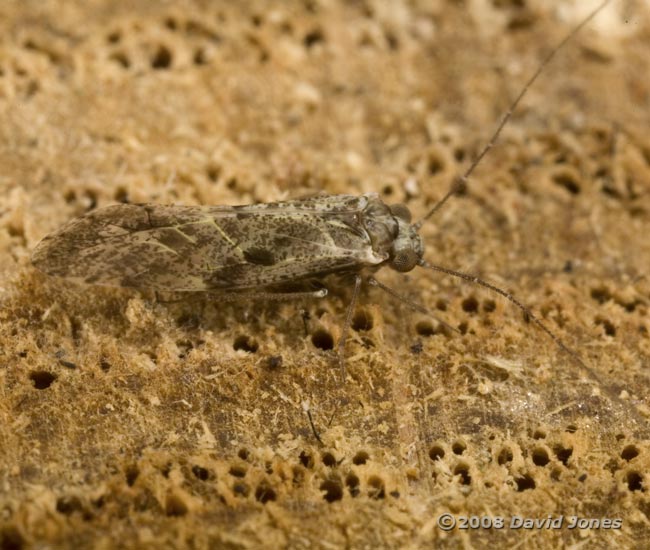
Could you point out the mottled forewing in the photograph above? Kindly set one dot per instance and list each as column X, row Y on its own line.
column 194, row 248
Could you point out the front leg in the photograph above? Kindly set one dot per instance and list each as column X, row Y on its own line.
column 340, row 349
column 273, row 296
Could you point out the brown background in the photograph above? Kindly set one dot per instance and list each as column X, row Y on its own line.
column 131, row 422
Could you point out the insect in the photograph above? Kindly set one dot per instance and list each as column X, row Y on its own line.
column 272, row 250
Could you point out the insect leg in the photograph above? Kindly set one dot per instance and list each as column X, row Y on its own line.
column 235, row 296
column 348, row 322
column 416, row 307
column 313, row 427
column 304, row 314
column 270, row 296
column 312, row 424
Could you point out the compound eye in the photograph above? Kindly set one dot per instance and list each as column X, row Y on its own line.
column 401, row 211
column 405, row 260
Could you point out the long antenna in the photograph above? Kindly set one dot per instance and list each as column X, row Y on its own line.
column 473, row 279
column 525, row 309
column 461, row 182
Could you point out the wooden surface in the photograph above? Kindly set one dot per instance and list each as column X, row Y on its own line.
column 130, row 420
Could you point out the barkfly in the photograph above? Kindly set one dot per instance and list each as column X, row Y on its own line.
column 259, row 249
